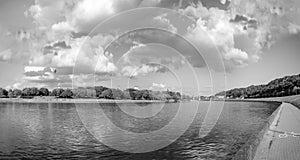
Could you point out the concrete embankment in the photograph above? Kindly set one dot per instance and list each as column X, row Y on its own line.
column 281, row 141
column 248, row 151
column 278, row 140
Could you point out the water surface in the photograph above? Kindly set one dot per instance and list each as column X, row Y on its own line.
column 48, row 131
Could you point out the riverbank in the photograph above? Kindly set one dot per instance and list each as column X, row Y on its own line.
column 63, row 100
column 281, row 139
column 249, row 150
column 295, row 100
column 247, row 100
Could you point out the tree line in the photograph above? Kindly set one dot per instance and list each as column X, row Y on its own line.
column 94, row 92
column 286, row 86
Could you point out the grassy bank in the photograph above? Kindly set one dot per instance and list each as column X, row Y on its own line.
column 295, row 100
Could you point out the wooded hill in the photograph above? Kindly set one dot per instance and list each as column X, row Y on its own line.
column 286, row 86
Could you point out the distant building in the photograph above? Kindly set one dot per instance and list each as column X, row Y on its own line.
column 220, row 97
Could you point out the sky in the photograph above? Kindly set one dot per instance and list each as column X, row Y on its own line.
column 198, row 47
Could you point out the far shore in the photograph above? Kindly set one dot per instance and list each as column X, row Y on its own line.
column 75, row 100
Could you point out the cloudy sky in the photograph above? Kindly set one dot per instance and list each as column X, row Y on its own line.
column 194, row 46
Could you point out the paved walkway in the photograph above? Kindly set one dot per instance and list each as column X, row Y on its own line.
column 282, row 139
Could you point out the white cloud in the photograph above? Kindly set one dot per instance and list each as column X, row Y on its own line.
column 83, row 15
column 45, row 13
column 293, row 28
column 261, row 23
column 273, row 16
column 164, row 20
column 88, row 13
column 82, row 53
column 62, row 26
column 57, row 20
column 77, row 15
column 216, row 25
column 223, row 1
column 85, row 55
column 159, row 85
column 6, row 55
column 16, row 85
column 104, row 63
column 39, row 73
column 144, row 69
column 126, row 57
column 36, row 69
column 237, row 56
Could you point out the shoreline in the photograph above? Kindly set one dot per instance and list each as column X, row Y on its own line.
column 280, row 138
column 79, row 100
column 249, row 149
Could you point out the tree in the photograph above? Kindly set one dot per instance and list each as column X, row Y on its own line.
column 107, row 94
column 26, row 92
column 156, row 95
column 131, row 92
column 79, row 93
column 137, row 95
column 117, row 94
column 84, row 93
column 17, row 92
column 279, row 87
column 90, row 93
column 57, row 92
column 126, row 95
column 44, row 92
column 10, row 94
column 99, row 90
column 3, row 93
column 175, row 96
column 34, row 91
column 298, row 82
column 66, row 94
column 146, row 95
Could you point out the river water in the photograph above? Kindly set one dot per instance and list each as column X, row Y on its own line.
column 105, row 131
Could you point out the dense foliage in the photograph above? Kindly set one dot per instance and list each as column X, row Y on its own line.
column 66, row 94
column 3, row 92
column 95, row 92
column 286, row 86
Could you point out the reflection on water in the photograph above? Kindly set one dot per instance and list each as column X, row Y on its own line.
column 56, row 131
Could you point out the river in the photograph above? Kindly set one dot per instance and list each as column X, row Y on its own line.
column 104, row 131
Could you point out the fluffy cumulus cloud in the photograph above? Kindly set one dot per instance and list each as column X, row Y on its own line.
column 145, row 69
column 69, row 56
column 77, row 57
column 83, row 51
column 162, row 19
column 244, row 29
column 222, row 32
column 104, row 63
column 78, row 15
column 38, row 76
column 37, row 73
column 273, row 16
column 84, row 15
column 60, row 40
column 158, row 87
